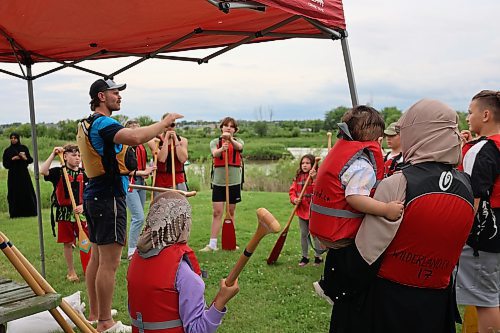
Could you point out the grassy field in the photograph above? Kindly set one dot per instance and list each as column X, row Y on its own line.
column 277, row 298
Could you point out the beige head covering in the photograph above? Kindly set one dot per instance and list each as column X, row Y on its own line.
column 429, row 133
column 168, row 223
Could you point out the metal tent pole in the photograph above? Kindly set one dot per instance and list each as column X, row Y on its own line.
column 35, row 158
column 350, row 73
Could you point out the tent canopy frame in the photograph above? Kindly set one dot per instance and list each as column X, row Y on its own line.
column 24, row 58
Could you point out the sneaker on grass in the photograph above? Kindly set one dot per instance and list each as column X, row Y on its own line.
column 208, row 248
column 304, row 261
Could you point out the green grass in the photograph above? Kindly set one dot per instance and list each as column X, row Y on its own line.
column 277, row 298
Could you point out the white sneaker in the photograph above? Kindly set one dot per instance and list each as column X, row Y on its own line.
column 321, row 292
column 208, row 248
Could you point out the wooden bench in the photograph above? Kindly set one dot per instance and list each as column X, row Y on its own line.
column 18, row 301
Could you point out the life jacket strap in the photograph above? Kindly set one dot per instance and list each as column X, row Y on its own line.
column 160, row 325
column 334, row 212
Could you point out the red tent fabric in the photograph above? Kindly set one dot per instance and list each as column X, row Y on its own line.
column 61, row 30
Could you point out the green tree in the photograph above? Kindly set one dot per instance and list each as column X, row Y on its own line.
column 333, row 117
column 67, row 129
column 121, row 118
column 145, row 120
column 462, row 120
column 260, row 128
column 390, row 114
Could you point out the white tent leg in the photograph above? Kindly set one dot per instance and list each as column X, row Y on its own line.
column 350, row 73
column 37, row 172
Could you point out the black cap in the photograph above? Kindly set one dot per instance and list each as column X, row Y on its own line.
column 103, row 85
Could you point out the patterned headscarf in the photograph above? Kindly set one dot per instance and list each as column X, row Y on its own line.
column 168, row 223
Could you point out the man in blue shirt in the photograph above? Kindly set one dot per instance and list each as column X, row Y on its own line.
column 103, row 145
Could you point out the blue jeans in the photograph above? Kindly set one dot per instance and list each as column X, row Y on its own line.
column 135, row 203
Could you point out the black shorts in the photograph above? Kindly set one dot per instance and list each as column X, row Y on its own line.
column 107, row 220
column 219, row 194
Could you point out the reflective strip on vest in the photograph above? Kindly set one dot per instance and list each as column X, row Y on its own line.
column 160, row 325
column 335, row 212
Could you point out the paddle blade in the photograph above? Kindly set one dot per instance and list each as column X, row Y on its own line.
column 228, row 235
column 84, row 258
column 276, row 251
column 85, row 248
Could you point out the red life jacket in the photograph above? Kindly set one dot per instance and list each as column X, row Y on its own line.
column 392, row 164
column 142, row 157
column 495, row 193
column 61, row 190
column 164, row 170
column 331, row 217
column 234, row 156
column 153, row 300
column 294, row 192
column 437, row 220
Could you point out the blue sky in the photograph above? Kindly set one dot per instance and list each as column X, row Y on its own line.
column 401, row 51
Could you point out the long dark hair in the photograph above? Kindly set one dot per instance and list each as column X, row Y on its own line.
column 311, row 159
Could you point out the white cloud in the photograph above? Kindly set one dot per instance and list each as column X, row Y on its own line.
column 401, row 51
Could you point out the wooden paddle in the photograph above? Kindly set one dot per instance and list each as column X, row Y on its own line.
column 172, row 152
column 329, row 135
column 40, row 286
column 83, row 240
column 228, row 233
column 155, row 162
column 280, row 242
column 161, row 189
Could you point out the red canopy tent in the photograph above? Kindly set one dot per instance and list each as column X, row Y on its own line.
column 67, row 33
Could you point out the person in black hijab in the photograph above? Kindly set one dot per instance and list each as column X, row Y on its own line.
column 21, row 195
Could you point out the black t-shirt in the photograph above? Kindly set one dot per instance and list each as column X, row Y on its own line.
column 64, row 213
column 485, row 234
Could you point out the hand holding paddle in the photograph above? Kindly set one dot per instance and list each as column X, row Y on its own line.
column 229, row 286
column 172, row 155
column 275, row 253
column 228, row 232
column 83, row 239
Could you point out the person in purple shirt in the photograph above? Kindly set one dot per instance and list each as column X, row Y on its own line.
column 165, row 289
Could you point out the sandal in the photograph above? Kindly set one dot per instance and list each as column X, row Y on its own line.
column 114, row 312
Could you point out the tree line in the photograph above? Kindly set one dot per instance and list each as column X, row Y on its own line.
column 66, row 129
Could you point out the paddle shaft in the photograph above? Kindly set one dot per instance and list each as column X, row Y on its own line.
column 285, row 229
column 30, row 280
column 80, row 322
column 172, row 152
column 280, row 242
column 329, row 135
column 155, row 162
column 81, row 233
column 267, row 224
column 161, row 189
column 226, row 165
